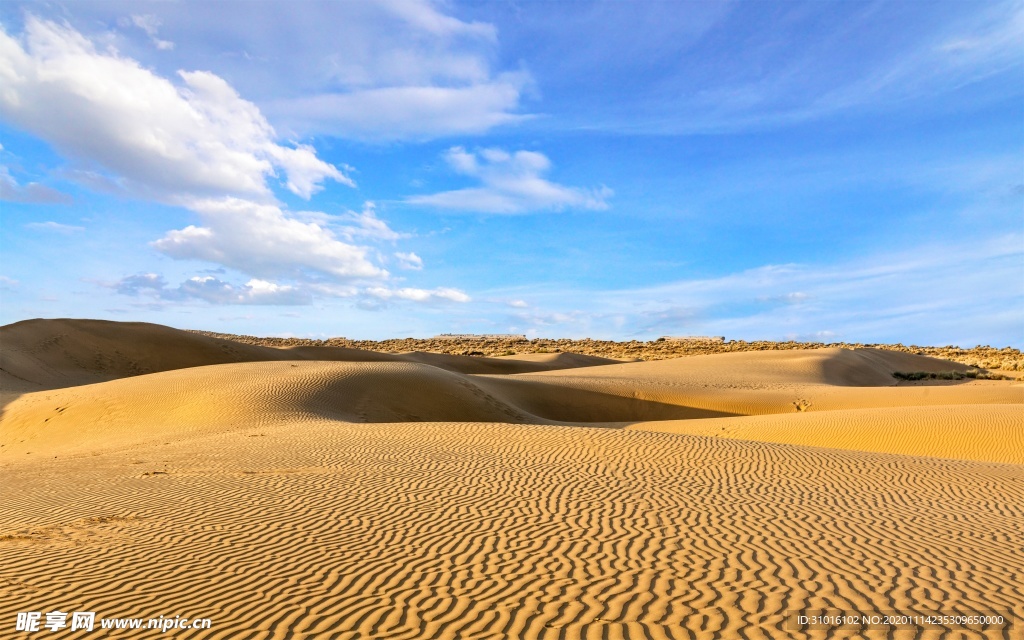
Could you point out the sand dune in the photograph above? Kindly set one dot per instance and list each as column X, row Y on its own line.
column 217, row 397
column 825, row 397
column 189, row 402
column 339, row 493
column 467, row 530
column 49, row 354
column 990, row 432
column 756, row 383
column 775, row 369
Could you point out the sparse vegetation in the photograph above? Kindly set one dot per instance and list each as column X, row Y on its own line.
column 981, row 357
column 949, row 375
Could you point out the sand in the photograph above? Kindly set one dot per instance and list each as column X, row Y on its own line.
column 335, row 493
column 1007, row 360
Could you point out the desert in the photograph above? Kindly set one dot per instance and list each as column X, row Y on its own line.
column 319, row 491
column 512, row 319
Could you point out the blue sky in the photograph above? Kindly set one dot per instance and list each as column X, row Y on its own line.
column 834, row 171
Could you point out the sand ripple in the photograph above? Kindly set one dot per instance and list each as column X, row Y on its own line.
column 481, row 530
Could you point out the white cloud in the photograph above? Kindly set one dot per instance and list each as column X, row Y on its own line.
column 213, row 290
column 407, row 112
column 8, row 284
column 423, row 15
column 766, row 69
column 937, row 294
column 193, row 139
column 151, row 25
column 409, row 261
column 795, row 297
column 400, row 69
column 988, row 42
column 394, row 69
column 440, row 294
column 31, row 193
column 366, row 224
column 134, row 285
column 511, row 183
column 262, row 240
column 354, row 225
column 333, row 290
column 518, row 304
column 55, row 227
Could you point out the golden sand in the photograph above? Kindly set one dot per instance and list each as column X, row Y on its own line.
column 335, row 493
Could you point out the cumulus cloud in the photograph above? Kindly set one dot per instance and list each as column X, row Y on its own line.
column 31, row 193
column 409, row 261
column 262, row 240
column 510, row 183
column 194, row 138
column 190, row 144
column 194, row 142
column 213, row 290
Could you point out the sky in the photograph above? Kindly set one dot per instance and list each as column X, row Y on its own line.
column 811, row 171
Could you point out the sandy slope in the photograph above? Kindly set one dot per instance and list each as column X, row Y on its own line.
column 919, row 420
column 469, row 530
column 48, row 354
column 968, row 431
column 199, row 400
column 336, row 493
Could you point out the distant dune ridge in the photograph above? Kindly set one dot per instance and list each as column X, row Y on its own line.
column 1007, row 359
column 60, row 353
column 339, row 492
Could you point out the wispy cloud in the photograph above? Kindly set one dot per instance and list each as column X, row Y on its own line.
column 55, row 227
column 408, row 113
column 394, row 70
column 31, row 193
column 937, row 294
column 510, row 183
column 440, row 294
column 365, row 225
column 212, row 290
column 149, row 24
column 987, row 42
column 409, row 261
column 765, row 66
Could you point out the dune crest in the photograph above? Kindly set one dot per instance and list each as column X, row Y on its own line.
column 50, row 354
